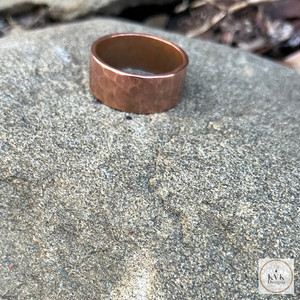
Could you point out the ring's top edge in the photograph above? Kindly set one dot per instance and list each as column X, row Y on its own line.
column 160, row 75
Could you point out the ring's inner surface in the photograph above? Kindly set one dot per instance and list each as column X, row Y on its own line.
column 139, row 52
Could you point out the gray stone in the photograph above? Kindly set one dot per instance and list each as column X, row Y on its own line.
column 70, row 9
column 175, row 205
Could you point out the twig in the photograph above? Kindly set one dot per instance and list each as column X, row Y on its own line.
column 238, row 6
column 197, row 3
column 200, row 30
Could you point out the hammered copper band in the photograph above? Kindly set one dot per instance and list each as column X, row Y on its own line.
column 137, row 93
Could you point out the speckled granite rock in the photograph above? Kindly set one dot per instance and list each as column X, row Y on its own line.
column 70, row 9
column 176, row 205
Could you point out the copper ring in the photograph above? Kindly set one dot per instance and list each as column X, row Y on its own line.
column 131, row 92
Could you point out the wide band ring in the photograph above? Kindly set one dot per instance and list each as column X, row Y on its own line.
column 137, row 93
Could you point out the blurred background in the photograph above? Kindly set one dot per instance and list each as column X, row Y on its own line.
column 270, row 28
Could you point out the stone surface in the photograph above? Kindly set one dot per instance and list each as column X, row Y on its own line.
column 101, row 204
column 70, row 9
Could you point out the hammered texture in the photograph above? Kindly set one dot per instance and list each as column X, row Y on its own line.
column 134, row 93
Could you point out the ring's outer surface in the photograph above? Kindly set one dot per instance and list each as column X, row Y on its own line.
column 137, row 93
